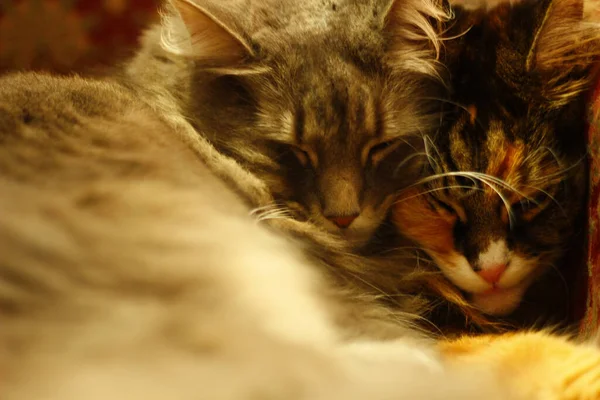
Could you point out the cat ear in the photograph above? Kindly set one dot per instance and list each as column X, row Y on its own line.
column 564, row 44
column 200, row 35
column 553, row 39
column 411, row 28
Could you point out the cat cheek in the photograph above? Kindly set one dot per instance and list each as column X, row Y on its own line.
column 415, row 219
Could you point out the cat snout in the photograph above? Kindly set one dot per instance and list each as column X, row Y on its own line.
column 493, row 273
column 343, row 221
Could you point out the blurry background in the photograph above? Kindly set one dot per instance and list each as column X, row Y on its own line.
column 70, row 35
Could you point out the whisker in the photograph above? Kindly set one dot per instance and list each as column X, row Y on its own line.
column 406, row 160
column 463, row 107
column 562, row 210
column 484, row 178
column 403, row 199
column 567, row 169
column 428, row 144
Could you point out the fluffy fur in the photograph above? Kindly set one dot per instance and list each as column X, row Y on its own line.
column 322, row 100
column 508, row 168
column 129, row 271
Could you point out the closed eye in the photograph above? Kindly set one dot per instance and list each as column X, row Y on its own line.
column 527, row 209
column 305, row 156
column 449, row 209
column 442, row 205
column 380, row 150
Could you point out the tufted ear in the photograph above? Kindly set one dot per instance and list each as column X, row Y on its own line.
column 206, row 38
column 559, row 24
column 412, row 32
column 564, row 45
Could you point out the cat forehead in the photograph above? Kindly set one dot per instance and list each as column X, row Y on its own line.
column 500, row 163
column 332, row 115
column 351, row 111
column 322, row 101
column 472, row 139
column 310, row 22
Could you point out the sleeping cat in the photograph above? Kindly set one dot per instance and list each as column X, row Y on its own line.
column 128, row 270
column 507, row 167
column 323, row 100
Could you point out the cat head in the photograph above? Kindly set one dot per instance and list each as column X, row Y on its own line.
column 323, row 99
column 507, row 167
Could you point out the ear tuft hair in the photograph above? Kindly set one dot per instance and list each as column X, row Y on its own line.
column 413, row 31
column 191, row 30
column 565, row 47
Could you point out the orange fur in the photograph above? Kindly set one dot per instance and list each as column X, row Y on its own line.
column 506, row 164
column 472, row 113
column 423, row 224
column 532, row 365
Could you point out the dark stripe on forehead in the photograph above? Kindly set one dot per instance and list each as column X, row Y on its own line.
column 340, row 99
column 299, row 124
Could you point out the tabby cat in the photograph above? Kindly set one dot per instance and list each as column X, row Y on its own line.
column 324, row 100
column 129, row 271
column 507, row 168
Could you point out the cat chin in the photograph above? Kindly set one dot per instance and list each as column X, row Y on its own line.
column 358, row 234
column 499, row 302
column 356, row 237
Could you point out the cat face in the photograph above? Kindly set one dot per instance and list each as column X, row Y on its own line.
column 507, row 169
column 336, row 143
column 498, row 209
column 323, row 102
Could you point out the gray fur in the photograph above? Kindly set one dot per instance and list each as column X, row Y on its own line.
column 129, row 271
column 302, row 95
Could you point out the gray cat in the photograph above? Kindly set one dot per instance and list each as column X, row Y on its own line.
column 324, row 101
column 129, row 271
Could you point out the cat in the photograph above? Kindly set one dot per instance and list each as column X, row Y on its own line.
column 323, row 100
column 507, row 170
column 128, row 270
column 169, row 80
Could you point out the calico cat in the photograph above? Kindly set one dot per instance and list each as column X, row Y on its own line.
column 128, row 270
column 507, row 168
column 321, row 99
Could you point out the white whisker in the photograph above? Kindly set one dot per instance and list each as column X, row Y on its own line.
column 403, row 199
column 486, row 179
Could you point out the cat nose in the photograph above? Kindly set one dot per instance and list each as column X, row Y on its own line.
column 343, row 221
column 493, row 274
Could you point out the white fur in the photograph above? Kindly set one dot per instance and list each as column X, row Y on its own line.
column 459, row 271
column 495, row 254
column 512, row 284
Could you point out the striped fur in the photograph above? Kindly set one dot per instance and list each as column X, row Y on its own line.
column 508, row 164
column 322, row 100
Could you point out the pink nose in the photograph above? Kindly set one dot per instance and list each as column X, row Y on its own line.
column 344, row 221
column 493, row 274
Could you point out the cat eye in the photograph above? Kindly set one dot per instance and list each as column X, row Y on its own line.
column 306, row 157
column 449, row 210
column 440, row 204
column 378, row 151
column 527, row 209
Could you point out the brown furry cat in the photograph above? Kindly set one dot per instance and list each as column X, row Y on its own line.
column 508, row 164
column 321, row 99
column 129, row 271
